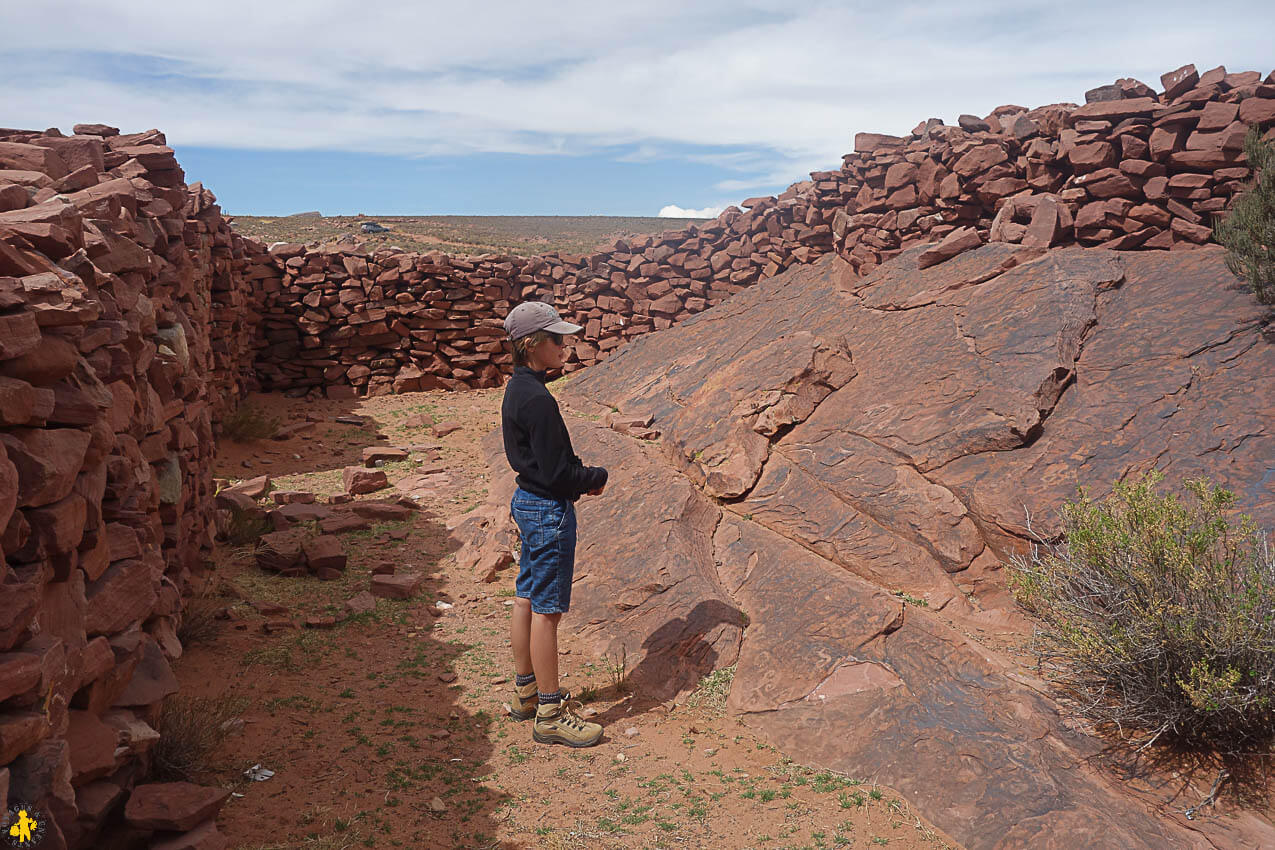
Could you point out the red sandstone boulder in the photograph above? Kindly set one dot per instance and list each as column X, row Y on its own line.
column 23, row 157
column 294, row 512
column 280, row 552
column 95, row 130
column 383, row 511
column 173, row 805
column 1257, row 110
column 253, row 488
column 53, row 361
column 442, row 429
column 979, row 160
column 92, row 748
column 402, row 586
column 869, row 142
column 1179, row 82
column 152, row 678
column 959, row 240
column 383, row 454
column 19, row 335
column 1116, row 110
column 292, row 497
column 124, row 594
column 358, row 480
column 96, row 800
column 324, row 552
column 903, row 480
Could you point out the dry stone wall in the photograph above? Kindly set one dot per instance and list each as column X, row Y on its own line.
column 1130, row 169
column 127, row 327
column 350, row 323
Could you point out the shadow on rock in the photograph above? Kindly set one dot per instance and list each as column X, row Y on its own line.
column 1195, row 782
column 675, row 657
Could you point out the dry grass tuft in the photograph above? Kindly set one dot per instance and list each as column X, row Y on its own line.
column 248, row 423
column 190, row 729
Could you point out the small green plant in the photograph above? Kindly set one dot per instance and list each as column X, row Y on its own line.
column 912, row 600
column 853, row 800
column 713, row 689
column 1248, row 232
column 248, row 422
column 618, row 669
column 1158, row 615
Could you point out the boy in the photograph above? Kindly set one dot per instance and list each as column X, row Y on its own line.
column 550, row 479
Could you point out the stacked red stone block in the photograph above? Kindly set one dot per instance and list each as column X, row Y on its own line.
column 397, row 321
column 1131, row 169
column 125, row 329
column 1128, row 170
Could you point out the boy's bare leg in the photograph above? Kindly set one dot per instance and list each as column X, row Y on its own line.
column 544, row 650
column 520, row 635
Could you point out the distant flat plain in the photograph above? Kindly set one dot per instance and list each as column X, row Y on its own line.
column 460, row 234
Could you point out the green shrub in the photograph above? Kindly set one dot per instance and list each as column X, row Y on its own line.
column 249, row 422
column 1158, row 616
column 1248, row 233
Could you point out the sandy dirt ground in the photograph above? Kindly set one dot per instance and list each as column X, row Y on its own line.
column 389, row 729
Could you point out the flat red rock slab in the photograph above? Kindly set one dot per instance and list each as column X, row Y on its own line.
column 402, row 586
column 906, row 471
column 173, row 805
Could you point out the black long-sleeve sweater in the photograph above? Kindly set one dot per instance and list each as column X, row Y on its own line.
column 537, row 444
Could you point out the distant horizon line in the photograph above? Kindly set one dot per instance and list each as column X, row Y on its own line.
column 304, row 215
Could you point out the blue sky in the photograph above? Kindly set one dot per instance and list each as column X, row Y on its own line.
column 266, row 182
column 568, row 108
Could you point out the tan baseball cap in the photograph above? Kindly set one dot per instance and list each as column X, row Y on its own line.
column 531, row 316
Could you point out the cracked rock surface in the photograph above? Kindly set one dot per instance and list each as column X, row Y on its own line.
column 830, row 444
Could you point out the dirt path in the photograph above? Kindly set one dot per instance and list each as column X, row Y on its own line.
column 389, row 730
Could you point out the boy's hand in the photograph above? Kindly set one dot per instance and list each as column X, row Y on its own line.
column 597, row 492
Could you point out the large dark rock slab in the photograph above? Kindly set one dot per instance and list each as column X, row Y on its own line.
column 829, row 442
column 1176, row 375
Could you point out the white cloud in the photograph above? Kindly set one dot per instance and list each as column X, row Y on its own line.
column 776, row 90
column 674, row 211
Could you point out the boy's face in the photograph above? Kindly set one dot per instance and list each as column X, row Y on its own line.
column 551, row 353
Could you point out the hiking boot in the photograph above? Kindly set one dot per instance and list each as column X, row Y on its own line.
column 559, row 723
column 523, row 705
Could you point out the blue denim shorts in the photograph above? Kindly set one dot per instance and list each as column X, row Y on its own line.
column 547, row 562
